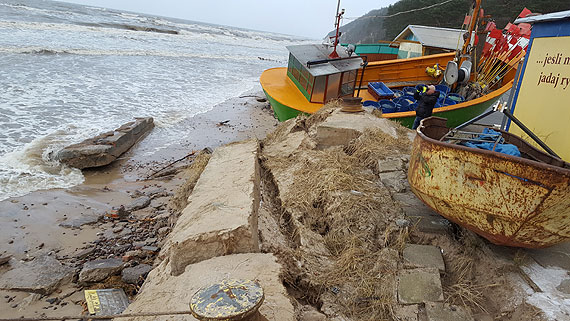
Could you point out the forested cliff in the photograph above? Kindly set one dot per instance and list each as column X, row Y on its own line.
column 372, row 27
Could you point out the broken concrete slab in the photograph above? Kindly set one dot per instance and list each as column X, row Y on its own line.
column 105, row 148
column 419, row 286
column 390, row 165
column 394, row 180
column 221, row 216
column 418, row 256
column 178, row 290
column 134, row 274
column 98, row 270
column 340, row 128
column 41, row 275
column 288, row 146
column 437, row 311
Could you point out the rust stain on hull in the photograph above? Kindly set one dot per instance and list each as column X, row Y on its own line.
column 508, row 200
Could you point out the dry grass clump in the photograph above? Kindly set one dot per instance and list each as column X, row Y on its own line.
column 337, row 197
column 374, row 144
column 180, row 199
column 341, row 220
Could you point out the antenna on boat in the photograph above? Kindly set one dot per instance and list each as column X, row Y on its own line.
column 334, row 54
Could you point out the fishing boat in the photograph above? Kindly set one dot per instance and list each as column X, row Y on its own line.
column 515, row 201
column 319, row 73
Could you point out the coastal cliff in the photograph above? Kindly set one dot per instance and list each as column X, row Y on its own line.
column 372, row 27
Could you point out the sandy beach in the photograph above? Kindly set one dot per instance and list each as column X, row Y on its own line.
column 71, row 226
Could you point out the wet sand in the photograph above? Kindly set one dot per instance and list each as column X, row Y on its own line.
column 62, row 222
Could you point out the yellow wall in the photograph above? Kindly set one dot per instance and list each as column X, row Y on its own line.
column 543, row 104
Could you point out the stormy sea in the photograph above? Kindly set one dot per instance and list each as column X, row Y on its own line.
column 69, row 72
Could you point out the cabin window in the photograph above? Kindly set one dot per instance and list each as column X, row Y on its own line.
column 319, row 90
column 301, row 76
column 333, row 87
column 348, row 80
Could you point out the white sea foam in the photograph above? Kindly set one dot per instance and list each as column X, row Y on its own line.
column 66, row 80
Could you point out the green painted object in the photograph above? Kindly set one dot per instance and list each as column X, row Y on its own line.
column 282, row 112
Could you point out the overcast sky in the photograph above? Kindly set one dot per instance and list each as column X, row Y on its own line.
column 309, row 18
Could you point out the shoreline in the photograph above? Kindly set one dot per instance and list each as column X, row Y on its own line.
column 65, row 224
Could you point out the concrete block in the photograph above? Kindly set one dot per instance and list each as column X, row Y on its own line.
column 103, row 149
column 221, row 216
column 437, row 311
column 417, row 256
column 340, row 128
column 419, row 286
column 164, row 292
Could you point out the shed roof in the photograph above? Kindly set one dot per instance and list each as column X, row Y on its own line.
column 314, row 52
column 445, row 38
column 545, row 17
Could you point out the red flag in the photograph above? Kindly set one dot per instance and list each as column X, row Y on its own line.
column 514, row 30
column 496, row 33
column 487, row 48
column 490, row 27
column 508, row 26
column 467, row 20
column 525, row 13
column 515, row 52
column 481, row 12
column 514, row 40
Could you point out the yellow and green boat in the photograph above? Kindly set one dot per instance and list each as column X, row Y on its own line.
column 304, row 87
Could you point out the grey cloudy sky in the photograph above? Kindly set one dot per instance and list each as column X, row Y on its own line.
column 309, row 18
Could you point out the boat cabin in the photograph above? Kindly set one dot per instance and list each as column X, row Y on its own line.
column 320, row 78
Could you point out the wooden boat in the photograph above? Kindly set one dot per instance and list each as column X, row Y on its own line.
column 315, row 75
column 288, row 101
column 514, row 201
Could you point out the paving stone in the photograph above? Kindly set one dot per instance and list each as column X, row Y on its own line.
column 178, row 290
column 221, row 216
column 419, row 286
column 41, row 275
column 416, row 255
column 437, row 311
column 98, row 270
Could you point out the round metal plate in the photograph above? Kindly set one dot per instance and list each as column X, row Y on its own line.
column 227, row 300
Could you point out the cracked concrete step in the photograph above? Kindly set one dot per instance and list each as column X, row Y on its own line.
column 221, row 216
column 165, row 292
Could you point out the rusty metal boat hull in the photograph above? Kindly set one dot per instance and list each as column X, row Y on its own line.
column 509, row 200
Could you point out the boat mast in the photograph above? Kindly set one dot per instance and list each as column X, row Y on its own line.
column 467, row 43
column 334, row 54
